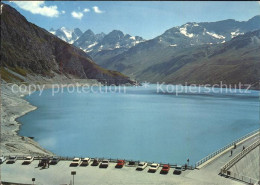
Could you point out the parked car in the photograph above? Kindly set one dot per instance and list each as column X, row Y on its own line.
column 44, row 162
column 76, row 161
column 12, row 159
column 120, row 163
column 28, row 160
column 141, row 166
column 104, row 163
column 154, row 167
column 85, row 162
column 131, row 164
column 2, row 159
column 165, row 169
column 54, row 160
column 177, row 170
column 95, row 162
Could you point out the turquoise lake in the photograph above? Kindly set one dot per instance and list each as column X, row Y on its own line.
column 140, row 124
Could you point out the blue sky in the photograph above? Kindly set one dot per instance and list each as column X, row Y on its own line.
column 146, row 19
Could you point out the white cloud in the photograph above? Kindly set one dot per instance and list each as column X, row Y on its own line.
column 86, row 10
column 63, row 11
column 258, row 2
column 77, row 15
column 97, row 10
column 38, row 7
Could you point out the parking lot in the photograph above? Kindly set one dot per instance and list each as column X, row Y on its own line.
column 61, row 174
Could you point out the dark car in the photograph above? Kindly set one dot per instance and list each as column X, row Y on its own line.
column 120, row 163
column 95, row 162
column 55, row 160
column 43, row 162
column 131, row 163
column 165, row 169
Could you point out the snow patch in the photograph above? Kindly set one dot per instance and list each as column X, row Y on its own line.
column 133, row 37
column 117, row 45
column 173, row 45
column 184, row 32
column 68, row 33
column 92, row 45
column 235, row 33
column 215, row 35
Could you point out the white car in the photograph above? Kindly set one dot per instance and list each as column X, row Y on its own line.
column 76, row 161
column 85, row 162
column 2, row 159
column 12, row 159
column 141, row 166
column 154, row 167
column 178, row 170
column 104, row 163
column 28, row 160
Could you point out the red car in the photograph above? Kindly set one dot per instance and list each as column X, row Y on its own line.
column 165, row 169
column 120, row 163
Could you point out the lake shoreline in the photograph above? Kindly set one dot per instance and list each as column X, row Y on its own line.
column 14, row 106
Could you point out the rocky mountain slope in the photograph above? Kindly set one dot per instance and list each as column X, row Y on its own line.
column 142, row 61
column 237, row 60
column 30, row 50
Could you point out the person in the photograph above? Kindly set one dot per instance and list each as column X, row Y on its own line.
column 243, row 147
column 231, row 152
column 235, row 146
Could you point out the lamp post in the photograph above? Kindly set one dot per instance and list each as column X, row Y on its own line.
column 73, row 173
column 33, row 179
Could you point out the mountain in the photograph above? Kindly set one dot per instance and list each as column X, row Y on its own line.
column 67, row 35
column 88, row 39
column 94, row 43
column 237, row 60
column 140, row 59
column 28, row 50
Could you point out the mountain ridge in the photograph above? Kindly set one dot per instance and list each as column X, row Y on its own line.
column 31, row 50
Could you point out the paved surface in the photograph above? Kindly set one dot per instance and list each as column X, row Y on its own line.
column 249, row 165
column 61, row 173
column 210, row 172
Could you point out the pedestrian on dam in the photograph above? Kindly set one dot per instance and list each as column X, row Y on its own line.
column 235, row 145
column 244, row 147
column 231, row 152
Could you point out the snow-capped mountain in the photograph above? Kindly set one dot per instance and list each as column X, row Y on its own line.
column 67, row 35
column 193, row 33
column 92, row 43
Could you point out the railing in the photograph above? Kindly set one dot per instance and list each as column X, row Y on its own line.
column 239, row 156
column 244, row 178
column 224, row 148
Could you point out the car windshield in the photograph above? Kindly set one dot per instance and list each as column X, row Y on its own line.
column 12, row 157
column 165, row 167
column 76, row 160
column 140, row 164
column 178, row 168
column 153, row 165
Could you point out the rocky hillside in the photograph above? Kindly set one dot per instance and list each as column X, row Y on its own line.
column 237, row 60
column 28, row 49
column 145, row 61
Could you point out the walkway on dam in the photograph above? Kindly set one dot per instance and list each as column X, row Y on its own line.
column 211, row 169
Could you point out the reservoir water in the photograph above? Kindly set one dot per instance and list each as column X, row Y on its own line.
column 140, row 124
